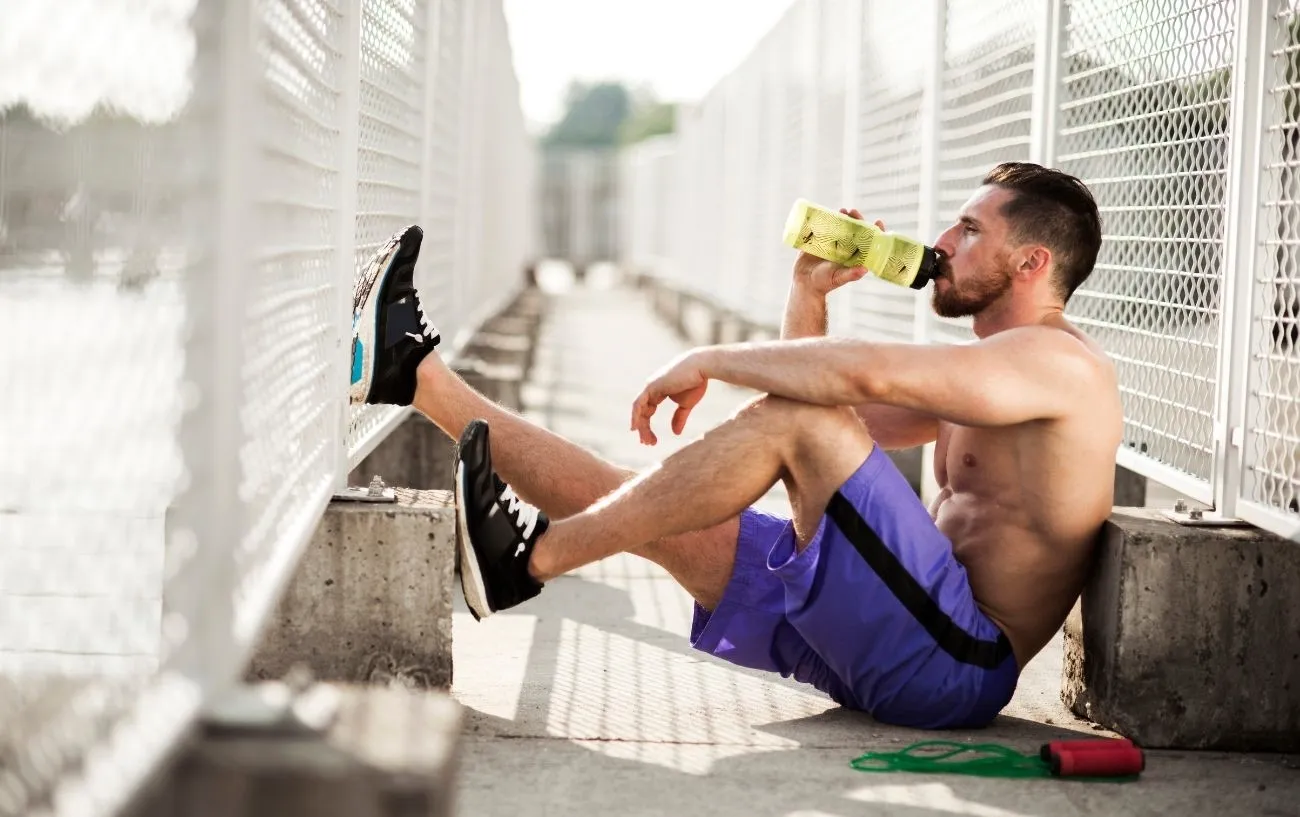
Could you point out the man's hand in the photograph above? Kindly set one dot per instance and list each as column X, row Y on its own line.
column 683, row 381
column 819, row 277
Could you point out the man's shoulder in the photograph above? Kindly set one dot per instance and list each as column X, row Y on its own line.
column 1052, row 340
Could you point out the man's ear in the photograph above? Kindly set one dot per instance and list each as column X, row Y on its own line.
column 1037, row 261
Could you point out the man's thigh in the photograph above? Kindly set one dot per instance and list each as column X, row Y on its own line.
column 880, row 597
column 748, row 625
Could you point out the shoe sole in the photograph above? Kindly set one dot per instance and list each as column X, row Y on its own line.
column 471, row 575
column 368, row 323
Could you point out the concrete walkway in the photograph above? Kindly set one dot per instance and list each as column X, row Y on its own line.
column 589, row 700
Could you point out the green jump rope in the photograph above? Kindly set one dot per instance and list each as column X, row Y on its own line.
column 1108, row 760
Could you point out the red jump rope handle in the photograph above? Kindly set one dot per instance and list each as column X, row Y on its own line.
column 1117, row 761
column 1049, row 750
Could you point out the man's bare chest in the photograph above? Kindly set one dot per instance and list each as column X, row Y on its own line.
column 972, row 458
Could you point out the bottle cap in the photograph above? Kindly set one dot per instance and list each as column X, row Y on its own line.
column 928, row 269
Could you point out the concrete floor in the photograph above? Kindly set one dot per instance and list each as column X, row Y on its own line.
column 589, row 700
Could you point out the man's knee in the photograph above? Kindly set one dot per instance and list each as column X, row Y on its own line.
column 793, row 419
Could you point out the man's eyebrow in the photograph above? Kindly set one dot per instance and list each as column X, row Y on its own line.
column 968, row 220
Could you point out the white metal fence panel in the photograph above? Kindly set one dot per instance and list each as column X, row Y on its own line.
column 884, row 160
column 291, row 327
column 985, row 102
column 1137, row 98
column 390, row 152
column 192, row 244
column 1270, row 442
column 436, row 270
column 1143, row 120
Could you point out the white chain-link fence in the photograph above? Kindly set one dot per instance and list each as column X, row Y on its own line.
column 186, row 190
column 1179, row 114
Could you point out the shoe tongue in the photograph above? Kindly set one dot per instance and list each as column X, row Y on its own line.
column 402, row 321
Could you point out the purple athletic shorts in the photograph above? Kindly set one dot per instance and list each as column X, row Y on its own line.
column 876, row 612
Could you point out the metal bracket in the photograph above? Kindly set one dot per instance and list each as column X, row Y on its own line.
column 377, row 491
column 295, row 706
column 1201, row 517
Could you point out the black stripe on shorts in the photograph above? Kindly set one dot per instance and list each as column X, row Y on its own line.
column 955, row 641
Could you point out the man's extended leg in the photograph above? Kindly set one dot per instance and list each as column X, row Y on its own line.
column 512, row 548
column 394, row 363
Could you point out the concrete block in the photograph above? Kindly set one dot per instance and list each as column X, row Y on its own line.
column 502, row 383
column 728, row 327
column 495, row 348
column 525, row 326
column 417, row 454
column 697, row 320
column 910, row 464
column 371, row 599
column 389, row 753
column 1189, row 637
column 1130, row 488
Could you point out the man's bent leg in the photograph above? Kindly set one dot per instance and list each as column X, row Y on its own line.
column 393, row 363
column 563, row 478
column 813, row 448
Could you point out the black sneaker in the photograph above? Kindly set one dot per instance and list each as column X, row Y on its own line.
column 390, row 334
column 495, row 529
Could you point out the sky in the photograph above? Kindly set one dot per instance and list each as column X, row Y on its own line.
column 679, row 48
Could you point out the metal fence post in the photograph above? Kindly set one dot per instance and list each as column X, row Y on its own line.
column 345, row 251
column 207, row 521
column 1240, row 260
column 467, row 161
column 927, row 215
column 842, row 318
column 1047, row 81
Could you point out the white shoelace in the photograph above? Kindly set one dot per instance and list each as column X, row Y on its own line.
column 524, row 513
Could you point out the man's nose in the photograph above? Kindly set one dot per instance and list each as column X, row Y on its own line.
column 944, row 243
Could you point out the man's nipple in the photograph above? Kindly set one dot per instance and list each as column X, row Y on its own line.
column 968, row 460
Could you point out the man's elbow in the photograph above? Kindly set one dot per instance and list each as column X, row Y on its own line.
column 867, row 387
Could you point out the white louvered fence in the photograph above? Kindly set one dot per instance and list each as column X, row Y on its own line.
column 1179, row 114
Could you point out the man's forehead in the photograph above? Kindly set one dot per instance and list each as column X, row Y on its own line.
column 985, row 204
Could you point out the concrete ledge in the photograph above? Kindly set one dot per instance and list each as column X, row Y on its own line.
column 389, row 753
column 414, row 455
column 1187, row 637
column 371, row 599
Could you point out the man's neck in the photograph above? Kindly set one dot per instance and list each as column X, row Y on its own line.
column 1010, row 314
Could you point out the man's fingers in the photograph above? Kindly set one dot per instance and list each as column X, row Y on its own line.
column 679, row 418
column 848, row 275
column 642, row 410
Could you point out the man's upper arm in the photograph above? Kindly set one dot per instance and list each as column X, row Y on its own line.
column 1016, row 376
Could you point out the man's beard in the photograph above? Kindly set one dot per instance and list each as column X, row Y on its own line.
column 975, row 294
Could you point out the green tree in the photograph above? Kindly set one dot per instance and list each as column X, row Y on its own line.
column 652, row 118
column 593, row 117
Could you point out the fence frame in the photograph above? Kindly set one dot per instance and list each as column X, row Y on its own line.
column 1240, row 259
column 345, row 253
column 1255, row 35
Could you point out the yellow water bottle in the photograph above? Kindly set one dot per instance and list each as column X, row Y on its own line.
column 840, row 239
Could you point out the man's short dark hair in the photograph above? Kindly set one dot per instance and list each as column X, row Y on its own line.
column 1054, row 209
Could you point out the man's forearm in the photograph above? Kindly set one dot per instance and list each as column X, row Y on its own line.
column 805, row 315
column 824, row 371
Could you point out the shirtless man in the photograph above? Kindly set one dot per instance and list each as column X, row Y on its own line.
column 922, row 618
